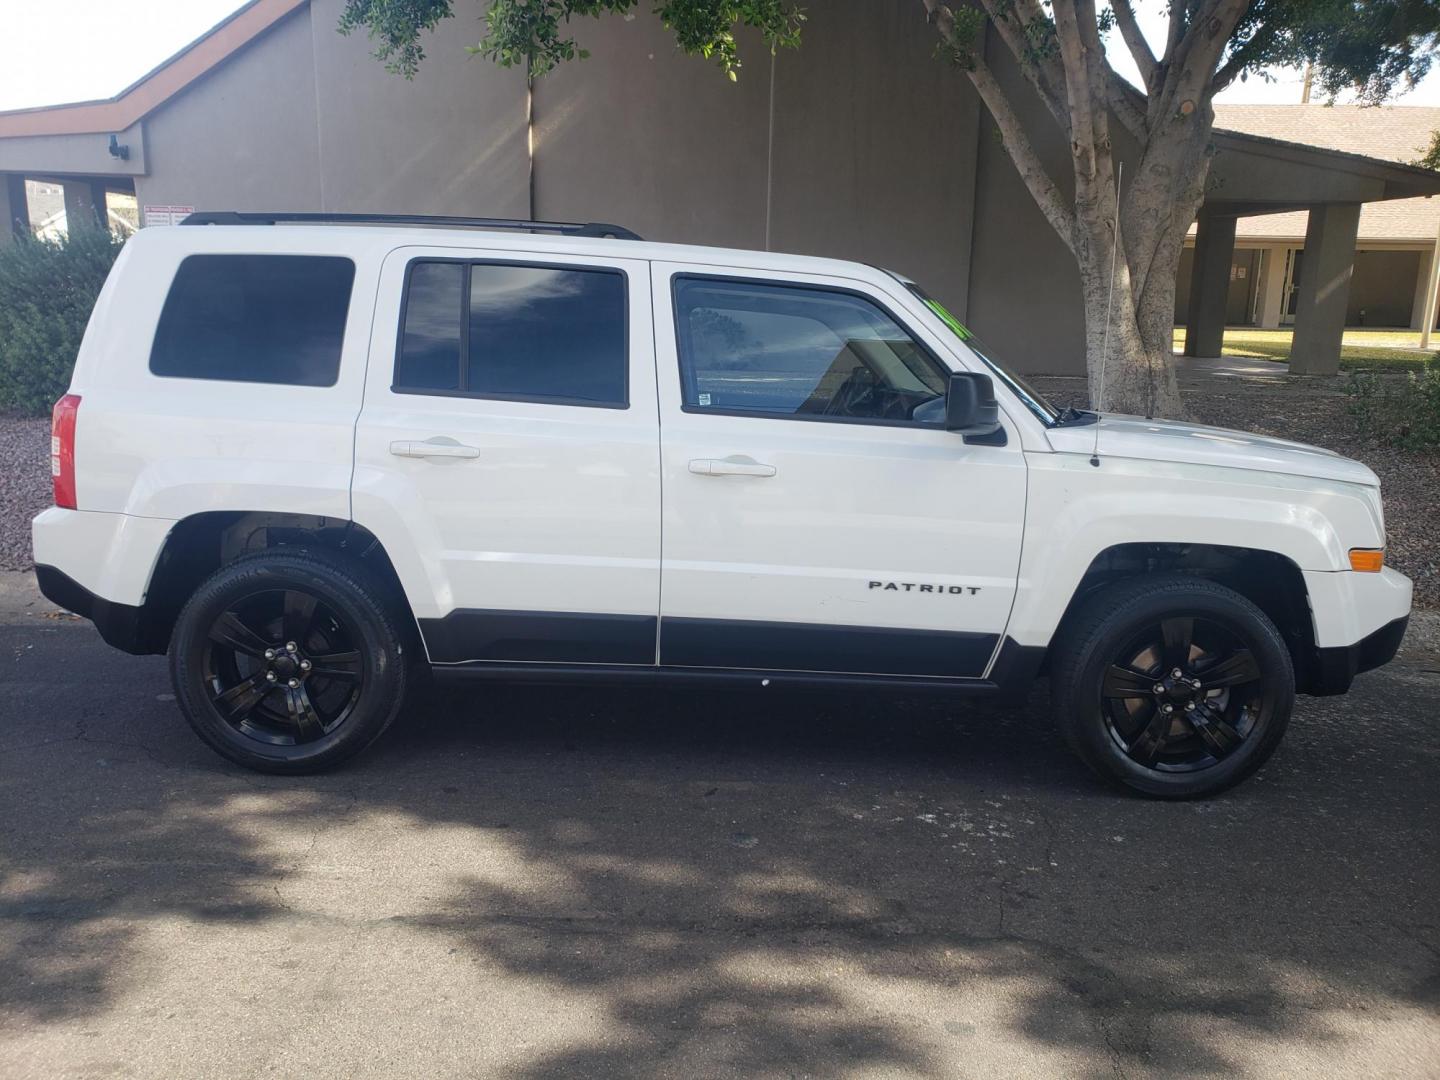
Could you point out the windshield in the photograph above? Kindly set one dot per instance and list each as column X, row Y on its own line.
column 1032, row 398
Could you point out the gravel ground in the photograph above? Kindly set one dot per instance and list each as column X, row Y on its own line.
column 1308, row 409
column 24, row 486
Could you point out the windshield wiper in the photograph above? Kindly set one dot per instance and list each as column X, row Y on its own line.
column 1071, row 417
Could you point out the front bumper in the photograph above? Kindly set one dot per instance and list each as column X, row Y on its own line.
column 1332, row 670
column 1358, row 620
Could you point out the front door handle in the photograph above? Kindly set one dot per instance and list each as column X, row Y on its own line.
column 433, row 449
column 731, row 466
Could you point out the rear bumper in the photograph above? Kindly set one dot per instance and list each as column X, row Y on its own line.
column 121, row 625
column 99, row 565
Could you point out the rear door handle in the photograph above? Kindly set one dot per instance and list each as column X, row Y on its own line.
column 733, row 466
column 433, row 449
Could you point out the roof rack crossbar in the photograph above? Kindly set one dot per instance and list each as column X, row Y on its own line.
column 565, row 228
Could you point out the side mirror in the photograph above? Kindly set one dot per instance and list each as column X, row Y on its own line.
column 970, row 407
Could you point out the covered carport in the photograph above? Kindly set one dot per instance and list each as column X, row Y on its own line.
column 1253, row 175
column 89, row 150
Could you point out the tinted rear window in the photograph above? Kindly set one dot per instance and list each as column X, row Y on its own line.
column 255, row 318
column 519, row 333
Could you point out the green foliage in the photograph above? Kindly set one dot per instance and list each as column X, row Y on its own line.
column 960, row 47
column 1369, row 46
column 534, row 33
column 1401, row 412
column 396, row 26
column 47, row 288
column 1431, row 160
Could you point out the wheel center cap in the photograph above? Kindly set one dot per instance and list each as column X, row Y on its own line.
column 285, row 664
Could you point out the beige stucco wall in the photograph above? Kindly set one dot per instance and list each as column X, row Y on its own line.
column 859, row 145
column 244, row 136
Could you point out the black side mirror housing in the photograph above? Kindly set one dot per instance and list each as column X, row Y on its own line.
column 970, row 407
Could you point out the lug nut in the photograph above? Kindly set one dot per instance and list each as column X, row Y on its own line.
column 304, row 665
column 1176, row 673
column 1167, row 709
column 1189, row 706
column 290, row 647
column 1159, row 688
column 269, row 654
column 269, row 676
column 293, row 684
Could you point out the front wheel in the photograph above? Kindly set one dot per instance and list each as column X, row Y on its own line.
column 288, row 661
column 1174, row 687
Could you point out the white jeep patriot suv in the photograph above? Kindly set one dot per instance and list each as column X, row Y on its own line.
column 312, row 455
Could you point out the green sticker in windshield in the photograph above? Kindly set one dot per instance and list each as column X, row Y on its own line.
column 955, row 324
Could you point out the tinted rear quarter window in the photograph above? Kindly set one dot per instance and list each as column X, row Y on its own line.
column 523, row 333
column 255, row 318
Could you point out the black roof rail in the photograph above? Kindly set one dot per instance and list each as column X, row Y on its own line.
column 564, row 228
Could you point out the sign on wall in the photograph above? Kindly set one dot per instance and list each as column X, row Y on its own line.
column 167, row 215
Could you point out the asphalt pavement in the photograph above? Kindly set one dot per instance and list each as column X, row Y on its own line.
column 573, row 882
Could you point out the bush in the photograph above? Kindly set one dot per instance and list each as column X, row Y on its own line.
column 47, row 288
column 1402, row 412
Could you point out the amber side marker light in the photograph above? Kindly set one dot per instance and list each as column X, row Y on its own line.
column 1370, row 560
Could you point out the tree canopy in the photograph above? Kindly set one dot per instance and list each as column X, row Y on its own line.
column 1368, row 46
column 1371, row 47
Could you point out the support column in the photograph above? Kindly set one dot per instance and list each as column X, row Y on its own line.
column 84, row 203
column 1324, row 288
column 14, row 207
column 1209, row 284
column 1272, row 284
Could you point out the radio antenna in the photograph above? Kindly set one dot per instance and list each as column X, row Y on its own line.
column 1109, row 307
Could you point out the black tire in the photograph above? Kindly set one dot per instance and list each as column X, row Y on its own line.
column 348, row 664
column 1114, row 677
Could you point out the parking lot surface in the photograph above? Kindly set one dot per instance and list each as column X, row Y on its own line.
column 539, row 882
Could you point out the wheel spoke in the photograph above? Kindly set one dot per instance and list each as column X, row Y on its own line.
column 1146, row 746
column 240, row 700
column 1124, row 682
column 1218, row 735
column 234, row 634
column 1235, row 670
column 299, row 612
column 308, row 725
column 1178, row 633
column 340, row 665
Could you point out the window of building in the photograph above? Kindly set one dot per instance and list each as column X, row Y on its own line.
column 255, row 318
column 521, row 333
column 802, row 352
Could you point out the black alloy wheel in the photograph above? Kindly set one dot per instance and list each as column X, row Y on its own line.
column 1183, row 694
column 282, row 667
column 1175, row 687
column 289, row 660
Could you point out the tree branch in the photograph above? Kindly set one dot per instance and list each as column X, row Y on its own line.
column 1043, row 76
column 1087, row 114
column 1017, row 144
column 1242, row 56
column 1134, row 39
column 1022, row 153
column 1122, row 101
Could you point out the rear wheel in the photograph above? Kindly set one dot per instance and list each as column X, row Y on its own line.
column 288, row 661
column 1174, row 687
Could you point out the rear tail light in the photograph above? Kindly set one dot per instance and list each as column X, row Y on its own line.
column 62, row 449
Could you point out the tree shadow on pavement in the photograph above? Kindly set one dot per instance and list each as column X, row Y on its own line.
column 679, row 883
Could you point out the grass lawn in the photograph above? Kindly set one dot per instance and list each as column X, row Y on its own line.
column 1394, row 349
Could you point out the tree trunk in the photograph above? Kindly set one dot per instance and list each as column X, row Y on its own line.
column 1138, row 376
column 1126, row 374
